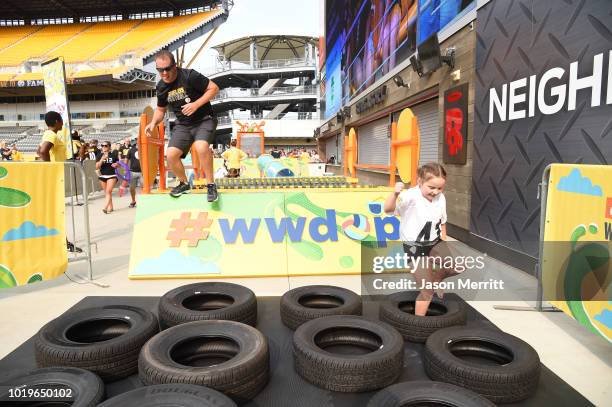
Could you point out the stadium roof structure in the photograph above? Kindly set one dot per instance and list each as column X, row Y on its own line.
column 36, row 9
column 269, row 47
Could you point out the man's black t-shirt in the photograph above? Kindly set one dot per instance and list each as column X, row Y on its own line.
column 107, row 165
column 275, row 153
column 188, row 87
column 123, row 151
column 133, row 157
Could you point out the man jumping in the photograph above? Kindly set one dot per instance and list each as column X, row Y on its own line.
column 189, row 94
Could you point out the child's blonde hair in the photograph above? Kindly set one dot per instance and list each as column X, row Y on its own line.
column 430, row 170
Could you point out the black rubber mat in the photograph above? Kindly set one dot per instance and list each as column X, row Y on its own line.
column 286, row 388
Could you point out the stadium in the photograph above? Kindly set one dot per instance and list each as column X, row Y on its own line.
column 375, row 203
column 107, row 52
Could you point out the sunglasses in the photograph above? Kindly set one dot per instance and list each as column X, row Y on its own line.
column 105, row 145
column 165, row 69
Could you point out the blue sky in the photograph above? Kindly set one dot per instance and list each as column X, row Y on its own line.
column 256, row 17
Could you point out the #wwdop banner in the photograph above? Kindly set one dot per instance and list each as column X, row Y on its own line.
column 54, row 78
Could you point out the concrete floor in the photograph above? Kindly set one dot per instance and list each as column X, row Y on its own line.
column 577, row 356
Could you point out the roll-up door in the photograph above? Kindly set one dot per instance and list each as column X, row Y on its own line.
column 427, row 115
column 373, row 142
column 331, row 148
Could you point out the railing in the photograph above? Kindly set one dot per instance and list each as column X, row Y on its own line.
column 227, row 120
column 227, row 65
column 270, row 92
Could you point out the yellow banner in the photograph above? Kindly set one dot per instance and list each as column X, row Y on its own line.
column 32, row 227
column 255, row 234
column 576, row 261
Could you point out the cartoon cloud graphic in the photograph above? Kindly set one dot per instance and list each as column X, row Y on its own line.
column 28, row 230
column 578, row 184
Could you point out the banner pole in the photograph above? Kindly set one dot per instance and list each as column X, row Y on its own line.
column 543, row 192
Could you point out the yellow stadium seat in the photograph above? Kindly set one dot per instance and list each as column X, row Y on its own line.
column 38, row 44
column 11, row 35
column 152, row 34
column 93, row 42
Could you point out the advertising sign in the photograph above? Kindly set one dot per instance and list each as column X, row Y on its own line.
column 258, row 234
column 455, row 125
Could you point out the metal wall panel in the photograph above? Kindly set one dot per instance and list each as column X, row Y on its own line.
column 429, row 129
column 517, row 39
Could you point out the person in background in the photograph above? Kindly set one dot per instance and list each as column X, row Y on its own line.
column 53, row 148
column 15, row 154
column 304, row 156
column 5, row 152
column 234, row 156
column 76, row 145
column 133, row 160
column 106, row 163
column 275, row 153
column 124, row 148
column 93, row 150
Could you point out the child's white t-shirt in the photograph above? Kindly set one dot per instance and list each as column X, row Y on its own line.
column 420, row 219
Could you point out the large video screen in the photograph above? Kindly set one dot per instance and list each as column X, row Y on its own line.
column 365, row 39
column 436, row 14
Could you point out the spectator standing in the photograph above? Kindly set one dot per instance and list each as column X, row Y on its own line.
column 5, row 152
column 53, row 148
column 106, row 162
column 133, row 160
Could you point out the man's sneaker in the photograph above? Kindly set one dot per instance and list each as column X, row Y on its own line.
column 72, row 248
column 180, row 189
column 212, row 194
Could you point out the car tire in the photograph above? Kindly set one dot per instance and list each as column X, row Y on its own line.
column 303, row 304
column 105, row 340
column 82, row 388
column 208, row 301
column 494, row 364
column 227, row 356
column 162, row 395
column 398, row 311
column 426, row 393
column 314, row 341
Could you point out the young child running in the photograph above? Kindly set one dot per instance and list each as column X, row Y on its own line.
column 422, row 212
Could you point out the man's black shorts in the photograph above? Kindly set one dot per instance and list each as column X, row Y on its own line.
column 183, row 135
